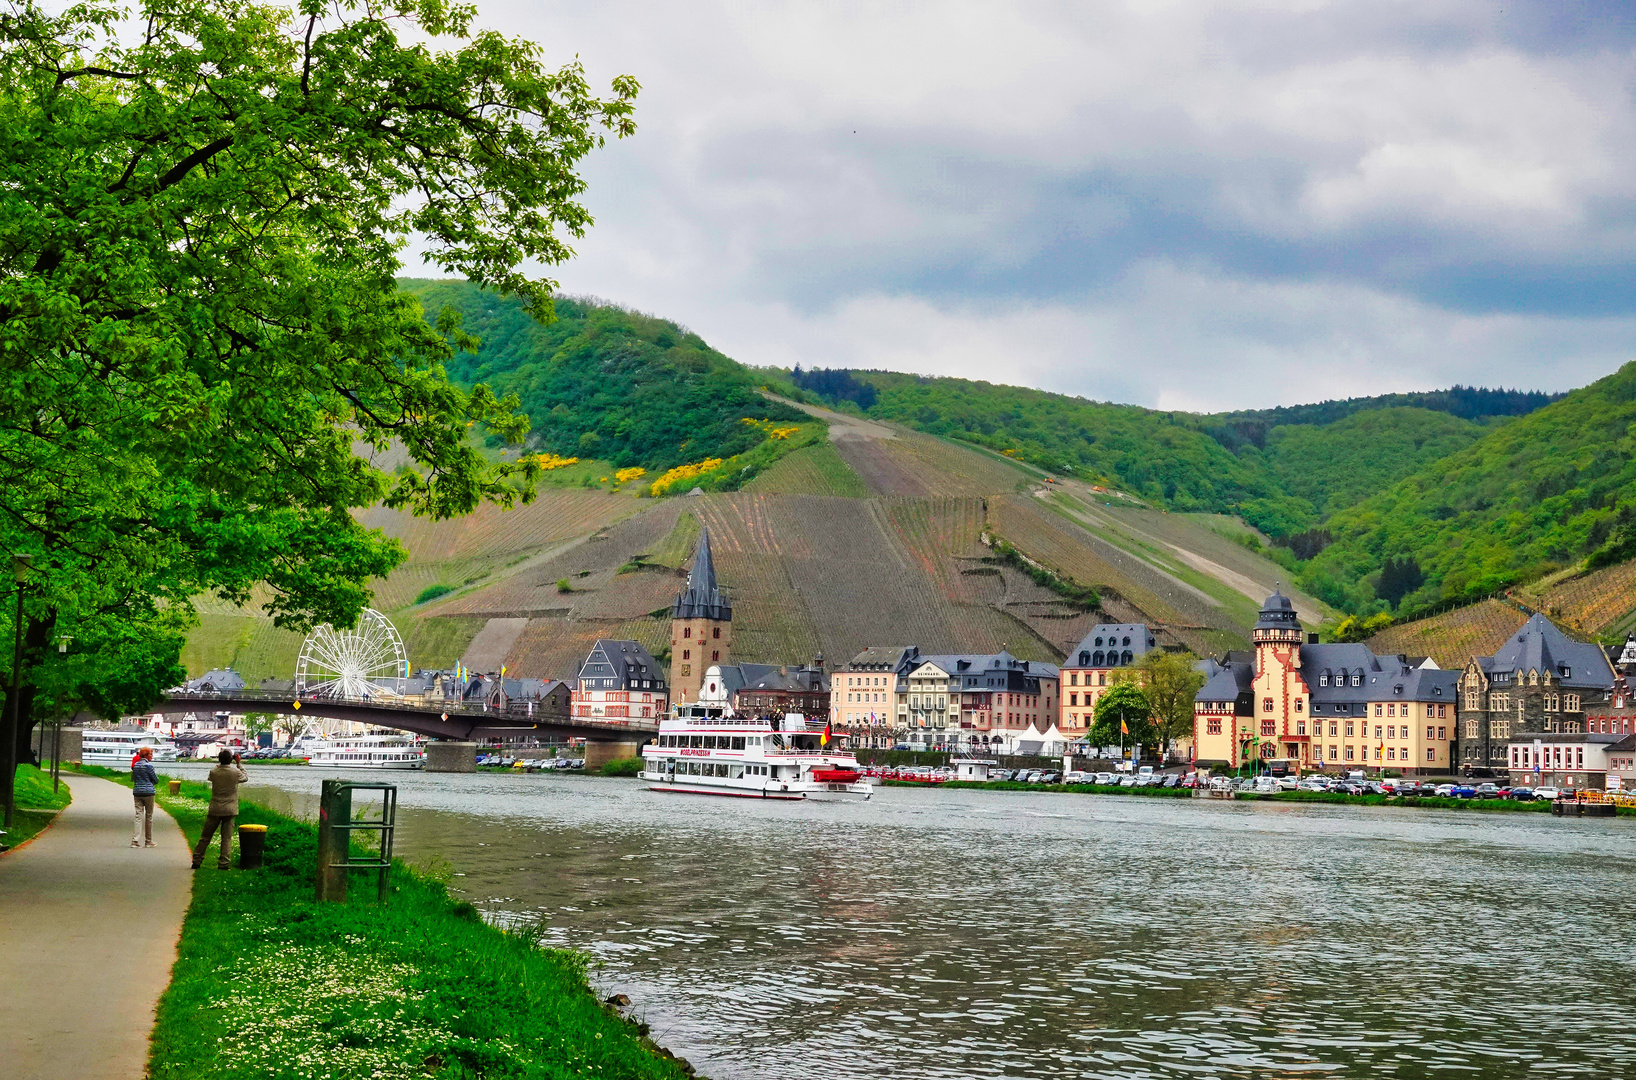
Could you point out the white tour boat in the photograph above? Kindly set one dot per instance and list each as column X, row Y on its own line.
column 371, row 752
column 115, row 749
column 707, row 750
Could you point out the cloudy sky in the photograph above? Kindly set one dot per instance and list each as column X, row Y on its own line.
column 1177, row 204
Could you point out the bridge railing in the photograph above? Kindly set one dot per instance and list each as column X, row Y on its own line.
column 285, row 702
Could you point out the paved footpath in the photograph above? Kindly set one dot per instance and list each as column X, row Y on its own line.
column 88, row 932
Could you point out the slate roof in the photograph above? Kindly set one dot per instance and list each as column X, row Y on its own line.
column 1278, row 613
column 702, row 599
column 221, row 680
column 1540, row 646
column 623, row 662
column 885, row 658
column 1127, row 640
column 969, row 667
column 1224, row 681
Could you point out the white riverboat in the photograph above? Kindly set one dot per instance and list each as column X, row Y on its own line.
column 371, row 752
column 707, row 750
column 114, row 749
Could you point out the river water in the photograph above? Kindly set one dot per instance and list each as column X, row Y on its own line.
column 936, row 933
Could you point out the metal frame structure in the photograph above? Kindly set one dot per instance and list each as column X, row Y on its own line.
column 365, row 663
column 335, row 828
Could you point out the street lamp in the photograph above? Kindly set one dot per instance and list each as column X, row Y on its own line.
column 20, row 564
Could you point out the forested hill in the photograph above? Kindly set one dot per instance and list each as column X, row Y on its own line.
column 1534, row 496
column 1396, row 502
column 606, row 383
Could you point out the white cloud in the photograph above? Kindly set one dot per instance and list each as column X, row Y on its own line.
column 1210, row 203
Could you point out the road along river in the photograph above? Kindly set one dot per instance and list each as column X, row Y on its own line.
column 990, row 934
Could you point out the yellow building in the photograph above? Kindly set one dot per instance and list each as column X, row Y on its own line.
column 1330, row 707
column 1087, row 672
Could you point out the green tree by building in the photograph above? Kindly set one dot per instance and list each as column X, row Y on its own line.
column 202, row 209
column 1123, row 717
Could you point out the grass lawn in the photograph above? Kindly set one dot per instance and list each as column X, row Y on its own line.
column 269, row 983
column 37, row 805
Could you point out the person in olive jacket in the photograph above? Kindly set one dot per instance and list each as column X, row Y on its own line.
column 225, row 779
column 144, row 781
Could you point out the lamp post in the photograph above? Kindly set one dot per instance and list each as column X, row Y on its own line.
column 20, row 564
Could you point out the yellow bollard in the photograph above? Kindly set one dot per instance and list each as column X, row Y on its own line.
column 175, row 787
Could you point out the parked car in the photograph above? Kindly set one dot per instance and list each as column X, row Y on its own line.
column 1548, row 793
column 1076, row 776
column 1287, row 783
column 1191, row 780
column 1127, row 780
column 1171, row 780
column 1463, row 791
column 1521, row 794
column 1487, row 790
column 1444, row 790
column 1106, row 779
column 1050, row 776
column 1266, row 785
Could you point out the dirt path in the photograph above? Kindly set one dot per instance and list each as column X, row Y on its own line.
column 88, row 933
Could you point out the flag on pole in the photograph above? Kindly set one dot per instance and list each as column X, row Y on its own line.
column 823, row 740
column 1124, row 728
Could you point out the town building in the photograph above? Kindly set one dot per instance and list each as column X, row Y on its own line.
column 619, row 680
column 1087, row 670
column 1539, row 681
column 1568, row 760
column 762, row 690
column 701, row 626
column 863, row 696
column 1312, row 706
column 976, row 701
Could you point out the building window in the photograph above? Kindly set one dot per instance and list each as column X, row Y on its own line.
column 1212, row 727
column 1266, row 704
column 1299, row 704
column 715, row 631
column 1300, row 727
column 1471, row 729
column 1349, row 751
column 1269, row 727
column 1431, row 754
column 1552, row 703
column 687, row 631
column 1349, row 729
column 1377, row 708
column 1102, row 679
column 1471, row 700
column 1570, row 703
column 1377, row 732
column 686, row 654
column 714, row 655
column 1334, row 752
column 1440, row 734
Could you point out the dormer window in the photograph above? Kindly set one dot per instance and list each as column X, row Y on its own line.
column 1323, row 679
column 1357, row 677
column 1126, row 641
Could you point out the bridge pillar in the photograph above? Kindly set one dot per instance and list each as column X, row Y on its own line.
column 447, row 755
column 598, row 754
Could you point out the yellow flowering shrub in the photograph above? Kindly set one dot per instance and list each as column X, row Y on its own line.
column 548, row 462
column 625, row 476
column 683, row 473
column 774, row 431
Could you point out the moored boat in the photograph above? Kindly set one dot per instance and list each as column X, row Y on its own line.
column 371, row 752
column 708, row 750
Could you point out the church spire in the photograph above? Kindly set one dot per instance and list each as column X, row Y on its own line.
column 702, row 599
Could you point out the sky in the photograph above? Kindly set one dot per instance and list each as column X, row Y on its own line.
column 1186, row 205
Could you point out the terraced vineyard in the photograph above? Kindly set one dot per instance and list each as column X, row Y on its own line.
column 813, row 470
column 1454, row 637
column 1601, row 603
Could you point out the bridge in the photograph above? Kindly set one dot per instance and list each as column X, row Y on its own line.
column 460, row 720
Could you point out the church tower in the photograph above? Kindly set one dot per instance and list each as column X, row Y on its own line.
column 1279, row 729
column 701, row 627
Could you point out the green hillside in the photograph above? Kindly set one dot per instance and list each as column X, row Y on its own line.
column 602, row 382
column 1534, row 496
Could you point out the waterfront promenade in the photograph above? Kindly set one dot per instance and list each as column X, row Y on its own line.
column 88, row 932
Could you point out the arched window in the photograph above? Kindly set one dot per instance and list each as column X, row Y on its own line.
column 1126, row 641
column 1098, row 641
column 1323, row 679
column 1357, row 677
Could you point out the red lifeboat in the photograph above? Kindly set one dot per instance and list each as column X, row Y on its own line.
column 835, row 776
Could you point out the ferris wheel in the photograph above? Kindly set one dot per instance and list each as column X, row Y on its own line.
column 367, row 661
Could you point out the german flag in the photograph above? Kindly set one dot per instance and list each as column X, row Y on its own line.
column 823, row 740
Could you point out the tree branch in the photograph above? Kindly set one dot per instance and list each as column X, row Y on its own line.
column 192, row 161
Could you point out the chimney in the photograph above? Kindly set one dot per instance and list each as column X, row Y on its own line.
column 1312, row 639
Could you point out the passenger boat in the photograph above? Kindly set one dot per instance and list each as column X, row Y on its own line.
column 707, row 750
column 114, row 749
column 371, row 752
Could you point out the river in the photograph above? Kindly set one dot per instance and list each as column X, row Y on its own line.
column 987, row 934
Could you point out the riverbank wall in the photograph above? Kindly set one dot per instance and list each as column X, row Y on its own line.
column 269, row 982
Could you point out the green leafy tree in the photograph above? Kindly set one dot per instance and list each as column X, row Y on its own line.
column 1354, row 628
column 1169, row 684
column 201, row 216
column 1124, row 703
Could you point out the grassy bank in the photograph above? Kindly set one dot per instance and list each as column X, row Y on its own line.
column 37, row 806
column 1431, row 802
column 268, row 983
